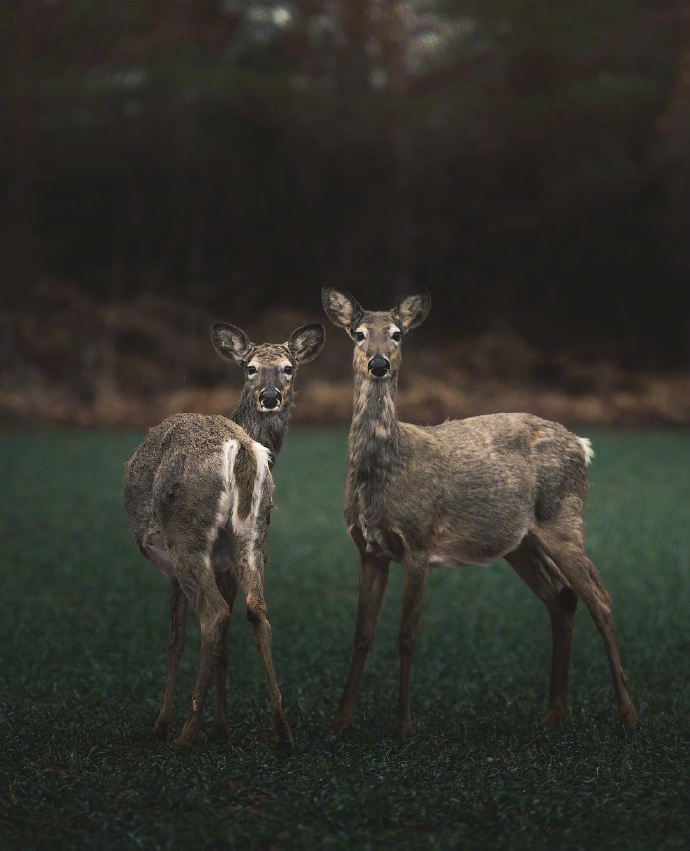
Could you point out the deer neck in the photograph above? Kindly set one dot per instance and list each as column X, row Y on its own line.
column 374, row 462
column 267, row 429
column 374, row 433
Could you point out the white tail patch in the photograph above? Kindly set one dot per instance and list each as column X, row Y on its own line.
column 263, row 457
column 228, row 504
column 586, row 444
column 225, row 500
column 263, row 460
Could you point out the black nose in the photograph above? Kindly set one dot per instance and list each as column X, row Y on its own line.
column 379, row 366
column 270, row 397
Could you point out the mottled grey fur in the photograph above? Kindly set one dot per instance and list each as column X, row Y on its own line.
column 172, row 486
column 463, row 492
column 180, row 493
column 177, row 501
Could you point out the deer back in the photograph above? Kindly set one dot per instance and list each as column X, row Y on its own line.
column 192, row 476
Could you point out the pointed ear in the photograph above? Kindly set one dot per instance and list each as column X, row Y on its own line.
column 341, row 308
column 306, row 342
column 231, row 343
column 412, row 309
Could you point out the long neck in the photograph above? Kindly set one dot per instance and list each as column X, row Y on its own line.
column 267, row 429
column 374, row 432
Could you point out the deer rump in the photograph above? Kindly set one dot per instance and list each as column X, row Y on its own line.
column 197, row 481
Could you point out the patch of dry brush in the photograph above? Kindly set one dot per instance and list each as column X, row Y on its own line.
column 72, row 361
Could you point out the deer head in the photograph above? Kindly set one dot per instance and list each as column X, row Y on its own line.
column 269, row 368
column 377, row 335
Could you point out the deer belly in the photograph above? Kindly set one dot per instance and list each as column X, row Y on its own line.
column 450, row 559
column 450, row 554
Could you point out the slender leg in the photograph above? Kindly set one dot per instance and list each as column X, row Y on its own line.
column 252, row 586
column 542, row 576
column 219, row 730
column 176, row 640
column 196, row 577
column 581, row 574
column 373, row 580
column 415, row 573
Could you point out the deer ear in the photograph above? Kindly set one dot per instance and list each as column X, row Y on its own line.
column 306, row 342
column 341, row 308
column 412, row 309
column 231, row 343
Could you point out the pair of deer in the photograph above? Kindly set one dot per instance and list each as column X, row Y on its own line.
column 198, row 495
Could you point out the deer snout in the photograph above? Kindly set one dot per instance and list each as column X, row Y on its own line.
column 379, row 366
column 270, row 397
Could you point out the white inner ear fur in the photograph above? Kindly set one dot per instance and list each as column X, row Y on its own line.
column 342, row 305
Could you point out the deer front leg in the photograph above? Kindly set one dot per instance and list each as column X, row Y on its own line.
column 415, row 573
column 373, row 580
column 219, row 730
column 199, row 584
column 176, row 640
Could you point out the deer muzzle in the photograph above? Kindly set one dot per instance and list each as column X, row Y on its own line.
column 270, row 397
column 379, row 366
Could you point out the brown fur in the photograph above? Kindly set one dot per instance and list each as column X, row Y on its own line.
column 175, row 495
column 463, row 492
column 245, row 473
column 231, row 343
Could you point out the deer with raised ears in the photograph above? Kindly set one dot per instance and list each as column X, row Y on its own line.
column 198, row 496
column 269, row 370
column 463, row 492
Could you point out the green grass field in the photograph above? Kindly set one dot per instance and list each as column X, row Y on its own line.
column 84, row 621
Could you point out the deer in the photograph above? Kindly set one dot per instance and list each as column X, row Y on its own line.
column 198, row 497
column 467, row 491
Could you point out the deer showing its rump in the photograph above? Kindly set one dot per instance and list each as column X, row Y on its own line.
column 463, row 492
column 197, row 494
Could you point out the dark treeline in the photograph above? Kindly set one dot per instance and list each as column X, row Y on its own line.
column 526, row 161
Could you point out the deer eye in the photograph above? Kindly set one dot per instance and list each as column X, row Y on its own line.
column 359, row 336
column 251, row 370
column 396, row 336
column 287, row 370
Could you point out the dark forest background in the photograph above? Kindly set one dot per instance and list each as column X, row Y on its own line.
column 167, row 163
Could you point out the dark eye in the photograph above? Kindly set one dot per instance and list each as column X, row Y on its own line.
column 251, row 370
column 395, row 336
column 359, row 336
column 287, row 370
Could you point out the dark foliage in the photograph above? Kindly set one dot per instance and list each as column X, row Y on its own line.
column 531, row 169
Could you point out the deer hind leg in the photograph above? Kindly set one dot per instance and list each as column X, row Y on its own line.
column 563, row 543
column 543, row 577
column 415, row 573
column 252, row 585
column 219, row 730
column 195, row 575
column 373, row 580
column 176, row 641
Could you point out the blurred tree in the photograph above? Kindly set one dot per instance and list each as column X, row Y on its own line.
column 245, row 151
